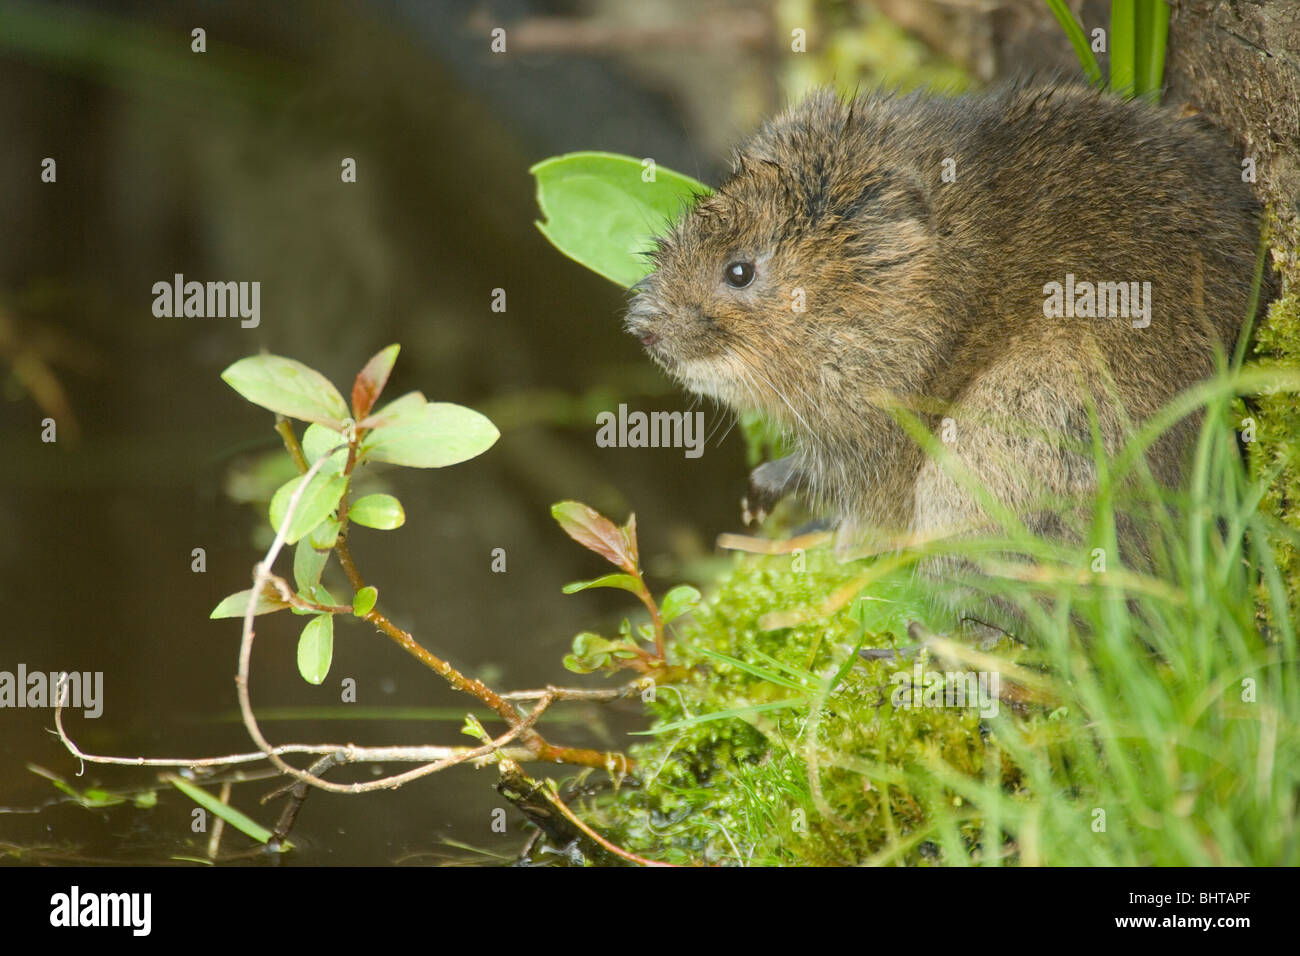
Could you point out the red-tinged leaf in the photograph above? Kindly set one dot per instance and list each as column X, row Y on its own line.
column 629, row 534
column 371, row 381
column 594, row 531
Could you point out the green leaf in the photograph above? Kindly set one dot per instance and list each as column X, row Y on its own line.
column 588, row 643
column 402, row 410
column 364, row 602
column 591, row 652
column 443, row 434
column 383, row 512
column 572, row 663
column 325, row 535
column 240, row 821
column 236, row 605
column 371, row 381
column 308, row 563
column 600, row 212
column 594, row 531
column 474, row 728
column 316, row 594
column 585, row 665
column 680, row 600
column 317, row 441
column 92, row 799
column 624, row 581
column 316, row 648
column 316, row 503
column 289, row 388
column 322, row 595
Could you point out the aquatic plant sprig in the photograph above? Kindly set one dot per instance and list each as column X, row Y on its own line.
column 618, row 545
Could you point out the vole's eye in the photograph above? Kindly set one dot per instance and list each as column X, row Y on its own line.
column 739, row 274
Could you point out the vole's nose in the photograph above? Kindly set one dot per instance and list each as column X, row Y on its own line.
column 640, row 320
column 641, row 329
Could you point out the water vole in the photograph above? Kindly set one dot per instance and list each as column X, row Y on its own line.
column 993, row 263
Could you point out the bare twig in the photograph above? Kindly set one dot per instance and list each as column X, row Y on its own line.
column 219, row 825
column 343, row 753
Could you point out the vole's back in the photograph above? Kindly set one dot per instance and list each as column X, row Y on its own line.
column 1065, row 203
column 1049, row 182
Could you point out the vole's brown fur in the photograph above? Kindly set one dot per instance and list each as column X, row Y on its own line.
column 930, row 294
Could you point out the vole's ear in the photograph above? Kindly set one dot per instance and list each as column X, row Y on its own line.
column 914, row 196
column 892, row 217
column 898, row 195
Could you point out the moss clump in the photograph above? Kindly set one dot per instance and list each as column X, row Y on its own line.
column 812, row 765
column 1277, row 444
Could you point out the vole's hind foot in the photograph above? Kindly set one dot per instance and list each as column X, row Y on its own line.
column 752, row 545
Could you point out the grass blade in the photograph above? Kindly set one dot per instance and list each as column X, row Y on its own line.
column 1152, row 35
column 244, row 824
column 1074, row 32
column 1123, row 46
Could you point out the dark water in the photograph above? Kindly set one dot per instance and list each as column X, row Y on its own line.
column 225, row 166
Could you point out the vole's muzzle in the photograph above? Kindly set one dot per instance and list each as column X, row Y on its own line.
column 641, row 316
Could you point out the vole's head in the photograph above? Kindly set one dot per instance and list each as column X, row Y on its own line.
column 794, row 268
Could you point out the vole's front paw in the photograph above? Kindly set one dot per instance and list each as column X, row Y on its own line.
column 768, row 484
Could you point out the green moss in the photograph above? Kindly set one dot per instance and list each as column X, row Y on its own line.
column 814, row 770
column 1277, row 445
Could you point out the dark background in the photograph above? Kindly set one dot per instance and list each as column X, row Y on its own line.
column 225, row 166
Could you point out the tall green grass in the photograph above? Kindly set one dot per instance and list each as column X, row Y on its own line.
column 1139, row 30
column 1175, row 708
